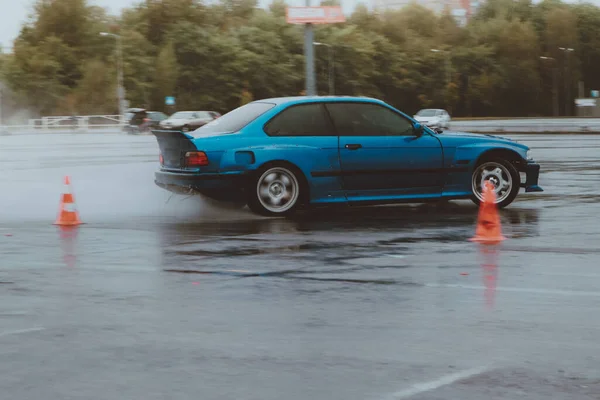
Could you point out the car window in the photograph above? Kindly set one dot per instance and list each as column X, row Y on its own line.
column 301, row 120
column 426, row 113
column 203, row 115
column 157, row 116
column 182, row 115
column 367, row 119
column 235, row 120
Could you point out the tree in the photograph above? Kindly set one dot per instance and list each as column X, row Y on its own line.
column 220, row 55
column 96, row 91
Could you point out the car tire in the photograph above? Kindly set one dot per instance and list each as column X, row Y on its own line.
column 503, row 174
column 185, row 128
column 276, row 190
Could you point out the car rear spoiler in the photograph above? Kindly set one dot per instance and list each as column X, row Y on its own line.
column 160, row 134
column 173, row 146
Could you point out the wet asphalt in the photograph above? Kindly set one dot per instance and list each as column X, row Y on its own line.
column 170, row 297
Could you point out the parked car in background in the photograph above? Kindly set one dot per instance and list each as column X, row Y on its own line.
column 434, row 118
column 281, row 154
column 140, row 120
column 187, row 121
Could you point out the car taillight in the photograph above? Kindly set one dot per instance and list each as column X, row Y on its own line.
column 146, row 119
column 195, row 159
column 161, row 159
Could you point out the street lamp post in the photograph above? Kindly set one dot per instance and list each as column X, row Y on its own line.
column 331, row 66
column 120, row 87
column 1, row 87
column 554, row 85
column 447, row 65
column 567, row 50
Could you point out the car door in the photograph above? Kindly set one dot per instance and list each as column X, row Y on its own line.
column 381, row 156
column 194, row 121
column 304, row 135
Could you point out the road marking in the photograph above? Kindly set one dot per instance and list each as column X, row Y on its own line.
column 438, row 383
column 520, row 290
column 18, row 332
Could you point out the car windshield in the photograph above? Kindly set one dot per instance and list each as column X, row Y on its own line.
column 235, row 120
column 427, row 113
column 183, row 115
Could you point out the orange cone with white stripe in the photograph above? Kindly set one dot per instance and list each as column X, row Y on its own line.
column 67, row 212
column 488, row 229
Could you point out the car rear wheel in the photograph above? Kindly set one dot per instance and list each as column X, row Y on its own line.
column 504, row 177
column 275, row 191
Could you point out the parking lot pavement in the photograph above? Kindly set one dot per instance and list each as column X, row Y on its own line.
column 160, row 296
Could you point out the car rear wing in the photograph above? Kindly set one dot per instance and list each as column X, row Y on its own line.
column 173, row 146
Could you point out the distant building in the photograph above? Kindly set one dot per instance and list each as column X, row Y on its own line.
column 461, row 10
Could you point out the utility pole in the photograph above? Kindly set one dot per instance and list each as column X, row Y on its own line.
column 1, row 105
column 331, row 66
column 120, row 87
column 448, row 71
column 309, row 58
column 554, row 85
column 567, row 50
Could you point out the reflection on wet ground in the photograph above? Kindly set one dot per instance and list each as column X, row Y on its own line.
column 158, row 297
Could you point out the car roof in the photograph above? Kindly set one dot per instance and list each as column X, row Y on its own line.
column 310, row 99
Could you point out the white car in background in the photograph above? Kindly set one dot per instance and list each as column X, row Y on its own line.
column 434, row 118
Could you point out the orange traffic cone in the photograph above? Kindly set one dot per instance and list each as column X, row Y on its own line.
column 67, row 212
column 488, row 221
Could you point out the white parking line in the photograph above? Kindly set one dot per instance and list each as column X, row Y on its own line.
column 432, row 385
column 521, row 290
column 18, row 332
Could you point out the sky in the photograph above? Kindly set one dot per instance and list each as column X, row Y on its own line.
column 13, row 13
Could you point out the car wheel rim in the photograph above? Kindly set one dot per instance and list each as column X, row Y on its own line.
column 185, row 129
column 277, row 190
column 495, row 173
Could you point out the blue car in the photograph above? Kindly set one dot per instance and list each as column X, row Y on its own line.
column 279, row 155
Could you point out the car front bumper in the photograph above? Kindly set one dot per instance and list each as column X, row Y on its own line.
column 221, row 186
column 532, row 171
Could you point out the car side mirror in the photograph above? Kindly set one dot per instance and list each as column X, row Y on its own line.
column 418, row 129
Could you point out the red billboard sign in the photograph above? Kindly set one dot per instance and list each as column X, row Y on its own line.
column 315, row 15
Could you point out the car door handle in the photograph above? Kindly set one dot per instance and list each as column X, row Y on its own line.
column 353, row 146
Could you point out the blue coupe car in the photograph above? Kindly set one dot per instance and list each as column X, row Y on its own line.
column 277, row 155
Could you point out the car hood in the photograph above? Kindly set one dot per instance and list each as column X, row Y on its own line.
column 474, row 135
column 481, row 136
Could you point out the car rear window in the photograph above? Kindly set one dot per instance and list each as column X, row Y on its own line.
column 235, row 120
column 203, row 115
column 301, row 120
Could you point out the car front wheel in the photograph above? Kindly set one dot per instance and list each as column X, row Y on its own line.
column 504, row 177
column 275, row 191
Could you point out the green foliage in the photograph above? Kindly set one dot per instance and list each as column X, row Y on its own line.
column 222, row 55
